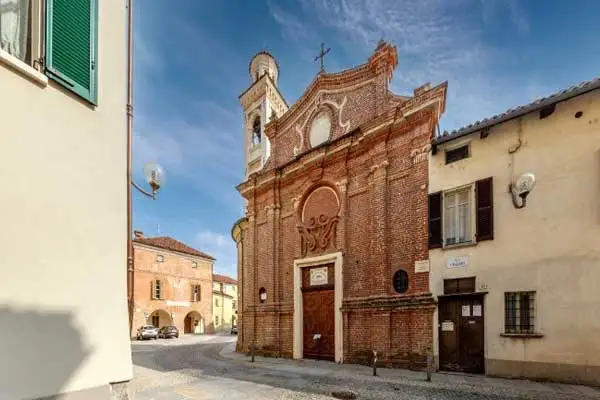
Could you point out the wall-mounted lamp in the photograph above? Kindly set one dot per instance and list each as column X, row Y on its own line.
column 172, row 315
column 521, row 189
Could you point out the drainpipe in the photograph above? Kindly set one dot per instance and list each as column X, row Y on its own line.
column 129, row 109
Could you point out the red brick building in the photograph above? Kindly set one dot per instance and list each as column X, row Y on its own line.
column 332, row 250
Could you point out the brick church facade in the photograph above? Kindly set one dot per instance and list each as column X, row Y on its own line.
column 333, row 249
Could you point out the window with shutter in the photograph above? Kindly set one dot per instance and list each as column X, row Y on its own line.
column 71, row 45
column 435, row 220
column 457, row 217
column 152, row 286
column 485, row 209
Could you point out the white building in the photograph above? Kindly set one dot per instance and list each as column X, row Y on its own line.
column 63, row 313
column 517, row 283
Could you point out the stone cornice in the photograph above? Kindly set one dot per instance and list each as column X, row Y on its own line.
column 358, row 138
column 391, row 302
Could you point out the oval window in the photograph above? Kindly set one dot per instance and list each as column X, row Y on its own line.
column 401, row 281
column 320, row 129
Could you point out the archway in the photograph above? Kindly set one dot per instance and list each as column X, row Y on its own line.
column 193, row 323
column 159, row 318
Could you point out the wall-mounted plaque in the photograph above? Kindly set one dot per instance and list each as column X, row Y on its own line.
column 447, row 326
column 318, row 276
column 421, row 266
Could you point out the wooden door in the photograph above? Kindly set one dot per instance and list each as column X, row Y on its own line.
column 187, row 324
column 318, row 319
column 461, row 335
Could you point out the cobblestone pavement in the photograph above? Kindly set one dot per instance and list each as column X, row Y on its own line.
column 205, row 367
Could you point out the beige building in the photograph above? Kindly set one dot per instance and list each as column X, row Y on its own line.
column 516, row 278
column 63, row 205
column 172, row 285
column 225, row 302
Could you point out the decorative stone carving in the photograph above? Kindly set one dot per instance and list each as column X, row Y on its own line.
column 382, row 164
column 421, row 154
column 339, row 108
column 318, row 102
column 342, row 185
column 318, row 221
column 318, row 234
column 298, row 148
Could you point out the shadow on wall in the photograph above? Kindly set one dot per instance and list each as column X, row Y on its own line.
column 39, row 352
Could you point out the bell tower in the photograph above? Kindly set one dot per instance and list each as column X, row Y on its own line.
column 261, row 103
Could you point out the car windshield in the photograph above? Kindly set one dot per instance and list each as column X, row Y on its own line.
column 148, row 327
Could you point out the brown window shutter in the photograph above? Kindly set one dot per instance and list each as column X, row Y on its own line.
column 152, row 286
column 484, row 191
column 435, row 220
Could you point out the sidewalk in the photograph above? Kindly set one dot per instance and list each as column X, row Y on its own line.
column 469, row 383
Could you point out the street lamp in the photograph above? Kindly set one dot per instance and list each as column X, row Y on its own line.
column 153, row 172
column 155, row 177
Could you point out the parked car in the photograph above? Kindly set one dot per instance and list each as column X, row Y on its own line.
column 147, row 332
column 234, row 330
column 168, row 332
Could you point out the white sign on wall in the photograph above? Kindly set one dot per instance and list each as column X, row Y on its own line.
column 447, row 326
column 421, row 266
column 457, row 262
column 318, row 276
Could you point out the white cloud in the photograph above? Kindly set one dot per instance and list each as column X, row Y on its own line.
column 222, row 247
column 213, row 239
column 435, row 44
column 292, row 27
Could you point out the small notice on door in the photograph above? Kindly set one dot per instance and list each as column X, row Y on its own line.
column 466, row 311
column 447, row 326
column 477, row 311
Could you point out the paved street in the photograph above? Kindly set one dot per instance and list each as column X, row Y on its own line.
column 205, row 367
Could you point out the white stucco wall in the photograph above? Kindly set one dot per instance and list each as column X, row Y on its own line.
column 552, row 246
column 63, row 307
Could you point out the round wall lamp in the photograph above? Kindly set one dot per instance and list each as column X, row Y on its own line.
column 521, row 189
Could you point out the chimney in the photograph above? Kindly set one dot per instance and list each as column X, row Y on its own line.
column 138, row 234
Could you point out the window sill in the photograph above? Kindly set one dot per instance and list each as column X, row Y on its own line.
column 22, row 68
column 459, row 245
column 523, row 335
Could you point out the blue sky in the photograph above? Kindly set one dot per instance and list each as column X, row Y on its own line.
column 191, row 64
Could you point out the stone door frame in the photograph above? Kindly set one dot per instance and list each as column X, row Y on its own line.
column 337, row 260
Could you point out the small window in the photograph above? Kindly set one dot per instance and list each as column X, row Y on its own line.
column 157, row 290
column 194, row 264
column 217, row 320
column 196, row 293
column 461, row 285
column 256, row 131
column 457, row 154
column 519, row 312
column 233, row 304
column 217, row 302
column 262, row 295
column 457, row 217
column 401, row 281
column 160, row 258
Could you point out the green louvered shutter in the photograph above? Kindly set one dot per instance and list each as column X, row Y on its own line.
column 71, row 48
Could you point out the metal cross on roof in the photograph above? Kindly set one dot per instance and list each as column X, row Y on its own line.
column 321, row 56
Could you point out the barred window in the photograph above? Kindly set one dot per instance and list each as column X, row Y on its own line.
column 519, row 312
